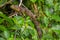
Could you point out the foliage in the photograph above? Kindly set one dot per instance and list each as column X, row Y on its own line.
column 20, row 27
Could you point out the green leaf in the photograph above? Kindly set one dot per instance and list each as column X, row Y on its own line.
column 11, row 38
column 2, row 2
column 33, row 1
column 49, row 3
column 47, row 12
column 33, row 32
column 9, row 20
column 18, row 20
column 56, row 18
column 15, row 2
column 56, row 29
column 1, row 20
column 6, row 34
column 2, row 38
column 29, row 22
column 46, row 21
column 2, row 28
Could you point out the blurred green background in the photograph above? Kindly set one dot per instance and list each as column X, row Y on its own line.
column 21, row 27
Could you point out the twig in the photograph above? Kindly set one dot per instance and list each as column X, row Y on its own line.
column 20, row 3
